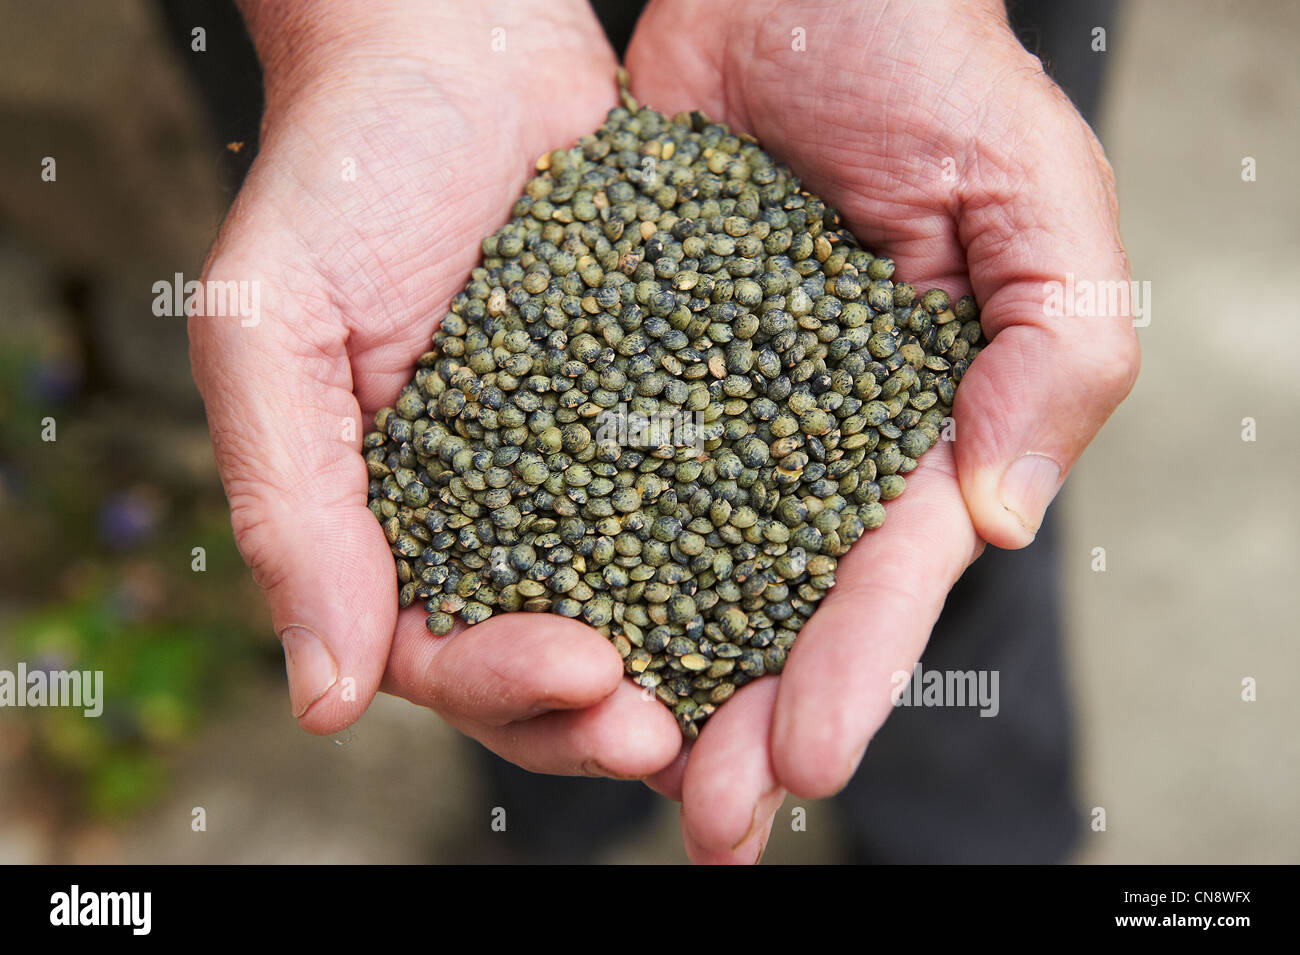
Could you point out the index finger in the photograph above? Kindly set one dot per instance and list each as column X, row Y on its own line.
column 835, row 690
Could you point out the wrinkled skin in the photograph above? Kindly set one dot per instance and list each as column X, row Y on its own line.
column 931, row 130
column 885, row 99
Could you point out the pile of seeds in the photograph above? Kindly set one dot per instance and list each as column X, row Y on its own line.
column 674, row 393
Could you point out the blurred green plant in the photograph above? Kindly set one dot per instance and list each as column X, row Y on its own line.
column 158, row 683
column 98, row 572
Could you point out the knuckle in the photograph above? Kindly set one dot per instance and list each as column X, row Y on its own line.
column 257, row 540
column 1115, row 367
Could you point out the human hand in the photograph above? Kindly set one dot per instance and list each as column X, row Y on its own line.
column 885, row 100
column 393, row 140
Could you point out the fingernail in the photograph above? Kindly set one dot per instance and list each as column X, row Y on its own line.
column 753, row 821
column 1028, row 486
column 311, row 667
column 593, row 768
column 757, row 817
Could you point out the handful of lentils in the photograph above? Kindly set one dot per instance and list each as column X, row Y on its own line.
column 663, row 270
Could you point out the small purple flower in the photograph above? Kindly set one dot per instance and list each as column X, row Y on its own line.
column 55, row 380
column 129, row 517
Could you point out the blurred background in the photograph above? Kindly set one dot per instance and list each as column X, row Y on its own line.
column 1200, row 528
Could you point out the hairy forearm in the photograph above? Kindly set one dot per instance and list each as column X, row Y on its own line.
column 301, row 42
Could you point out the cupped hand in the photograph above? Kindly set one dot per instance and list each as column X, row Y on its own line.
column 943, row 145
column 396, row 136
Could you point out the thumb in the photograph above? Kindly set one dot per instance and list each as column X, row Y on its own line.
column 286, row 432
column 1045, row 257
